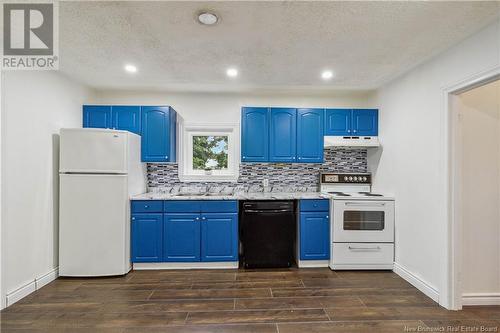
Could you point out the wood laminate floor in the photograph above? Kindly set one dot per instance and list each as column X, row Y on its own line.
column 239, row 301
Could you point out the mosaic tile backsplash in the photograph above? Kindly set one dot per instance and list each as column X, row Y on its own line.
column 283, row 177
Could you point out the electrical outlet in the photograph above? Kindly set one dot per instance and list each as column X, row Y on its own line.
column 265, row 182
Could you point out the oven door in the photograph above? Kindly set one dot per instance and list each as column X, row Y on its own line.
column 363, row 221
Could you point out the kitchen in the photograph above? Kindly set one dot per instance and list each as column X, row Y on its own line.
column 277, row 141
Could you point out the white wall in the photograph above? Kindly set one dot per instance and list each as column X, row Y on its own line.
column 225, row 107
column 35, row 106
column 480, row 145
column 412, row 164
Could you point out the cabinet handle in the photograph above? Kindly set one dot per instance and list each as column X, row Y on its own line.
column 354, row 131
column 146, row 206
column 364, row 248
column 203, row 218
column 133, row 219
column 197, row 219
column 327, row 217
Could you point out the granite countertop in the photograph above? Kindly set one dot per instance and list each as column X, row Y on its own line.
column 239, row 196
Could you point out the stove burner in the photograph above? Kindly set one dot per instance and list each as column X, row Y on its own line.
column 369, row 194
column 340, row 194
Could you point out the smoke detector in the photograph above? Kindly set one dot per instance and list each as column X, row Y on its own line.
column 207, row 18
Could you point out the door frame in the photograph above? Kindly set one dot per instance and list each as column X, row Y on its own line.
column 451, row 294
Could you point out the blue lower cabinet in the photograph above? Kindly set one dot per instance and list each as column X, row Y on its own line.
column 219, row 237
column 314, row 236
column 181, row 237
column 147, row 237
column 186, row 231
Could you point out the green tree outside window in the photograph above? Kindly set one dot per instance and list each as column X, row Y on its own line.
column 210, row 152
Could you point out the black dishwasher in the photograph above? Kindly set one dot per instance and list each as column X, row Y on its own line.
column 267, row 233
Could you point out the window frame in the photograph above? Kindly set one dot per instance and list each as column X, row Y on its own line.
column 186, row 134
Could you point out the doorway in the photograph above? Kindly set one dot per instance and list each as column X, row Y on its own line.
column 475, row 142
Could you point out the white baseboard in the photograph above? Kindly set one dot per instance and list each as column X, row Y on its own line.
column 351, row 267
column 481, row 299
column 185, row 265
column 21, row 292
column 47, row 278
column 312, row 263
column 417, row 282
column 26, row 289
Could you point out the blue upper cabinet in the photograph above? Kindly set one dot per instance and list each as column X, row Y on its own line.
column 255, row 134
column 155, row 124
column 97, row 116
column 365, row 122
column 310, row 135
column 282, row 135
column 181, row 237
column 338, row 122
column 158, row 134
column 351, row 122
column 147, row 237
column 127, row 118
column 219, row 236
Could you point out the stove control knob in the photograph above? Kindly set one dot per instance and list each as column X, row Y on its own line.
column 355, row 178
column 365, row 179
column 346, row 178
column 350, row 178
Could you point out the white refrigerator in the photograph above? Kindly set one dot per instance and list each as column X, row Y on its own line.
column 99, row 170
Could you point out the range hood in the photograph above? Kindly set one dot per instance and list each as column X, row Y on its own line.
column 351, row 141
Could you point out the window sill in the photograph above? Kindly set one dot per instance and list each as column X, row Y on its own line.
column 208, row 178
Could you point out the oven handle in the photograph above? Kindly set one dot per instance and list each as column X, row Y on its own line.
column 365, row 204
column 268, row 211
column 363, row 248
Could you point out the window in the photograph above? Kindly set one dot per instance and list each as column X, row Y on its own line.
column 208, row 152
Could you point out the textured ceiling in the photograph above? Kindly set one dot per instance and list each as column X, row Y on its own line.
column 275, row 45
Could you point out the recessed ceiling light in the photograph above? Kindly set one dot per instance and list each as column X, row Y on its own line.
column 131, row 68
column 326, row 75
column 207, row 18
column 232, row 72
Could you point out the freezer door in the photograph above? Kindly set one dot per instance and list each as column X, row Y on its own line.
column 89, row 150
column 94, row 225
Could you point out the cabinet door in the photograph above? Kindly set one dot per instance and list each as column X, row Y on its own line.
column 365, row 122
column 147, row 237
column 338, row 122
column 255, row 135
column 97, row 116
column 314, row 236
column 156, row 134
column 127, row 118
column 181, row 237
column 310, row 135
column 219, row 237
column 282, row 135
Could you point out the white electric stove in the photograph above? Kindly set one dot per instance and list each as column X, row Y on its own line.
column 361, row 222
